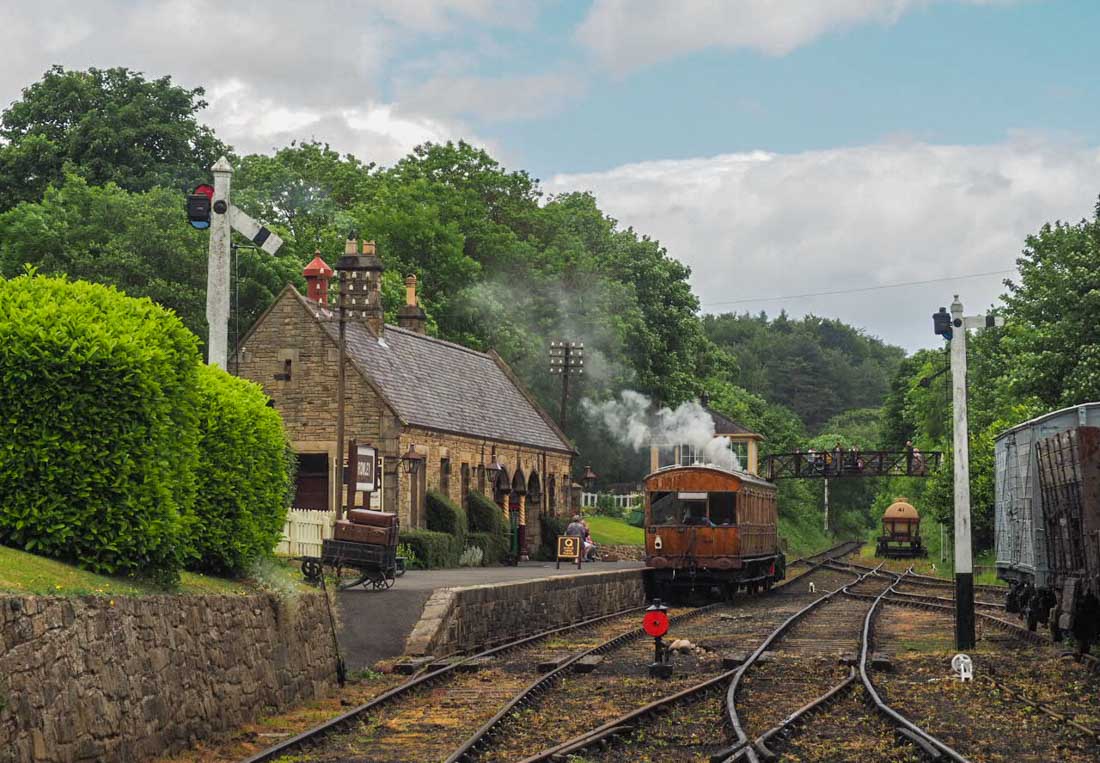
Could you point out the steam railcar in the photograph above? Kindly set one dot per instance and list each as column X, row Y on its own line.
column 1047, row 521
column 711, row 530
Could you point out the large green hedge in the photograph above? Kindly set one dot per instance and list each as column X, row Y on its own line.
column 443, row 516
column 98, row 437
column 432, row 549
column 243, row 474
column 484, row 515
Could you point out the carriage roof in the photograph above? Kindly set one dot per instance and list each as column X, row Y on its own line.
column 718, row 472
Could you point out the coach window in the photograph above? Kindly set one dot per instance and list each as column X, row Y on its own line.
column 678, row 508
column 723, row 508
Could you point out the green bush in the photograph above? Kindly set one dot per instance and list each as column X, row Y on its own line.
column 551, row 528
column 485, row 516
column 243, row 475
column 494, row 546
column 636, row 517
column 605, row 506
column 98, row 440
column 432, row 549
column 444, row 517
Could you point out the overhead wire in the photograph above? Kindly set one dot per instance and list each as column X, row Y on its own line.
column 858, row 289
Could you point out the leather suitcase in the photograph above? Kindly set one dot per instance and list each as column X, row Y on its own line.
column 349, row 531
column 372, row 518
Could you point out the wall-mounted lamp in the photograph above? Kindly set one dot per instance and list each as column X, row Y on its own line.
column 412, row 461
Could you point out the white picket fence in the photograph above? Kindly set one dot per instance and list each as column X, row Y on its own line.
column 303, row 532
column 621, row 500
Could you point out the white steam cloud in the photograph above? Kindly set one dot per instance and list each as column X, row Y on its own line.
column 633, row 421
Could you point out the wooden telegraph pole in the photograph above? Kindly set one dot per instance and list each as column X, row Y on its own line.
column 567, row 359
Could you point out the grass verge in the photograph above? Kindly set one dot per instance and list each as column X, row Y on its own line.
column 24, row 573
column 616, row 532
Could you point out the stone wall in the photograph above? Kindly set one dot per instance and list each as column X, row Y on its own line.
column 127, row 679
column 463, row 618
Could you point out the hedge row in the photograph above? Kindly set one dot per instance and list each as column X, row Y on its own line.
column 432, row 549
column 110, row 431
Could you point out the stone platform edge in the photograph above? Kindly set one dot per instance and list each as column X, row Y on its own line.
column 461, row 618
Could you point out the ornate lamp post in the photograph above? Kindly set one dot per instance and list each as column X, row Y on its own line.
column 589, row 479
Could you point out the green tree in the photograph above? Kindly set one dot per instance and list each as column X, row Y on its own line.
column 1054, row 314
column 139, row 242
column 108, row 126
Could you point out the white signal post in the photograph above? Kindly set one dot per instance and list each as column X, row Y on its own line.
column 964, row 561
column 224, row 217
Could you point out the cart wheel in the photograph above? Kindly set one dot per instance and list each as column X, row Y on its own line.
column 400, row 564
column 312, row 570
column 381, row 583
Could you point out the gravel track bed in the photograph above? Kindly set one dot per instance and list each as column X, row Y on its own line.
column 622, row 683
column 847, row 732
column 427, row 725
column 976, row 718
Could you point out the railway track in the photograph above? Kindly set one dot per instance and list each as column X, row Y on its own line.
column 400, row 724
column 991, row 718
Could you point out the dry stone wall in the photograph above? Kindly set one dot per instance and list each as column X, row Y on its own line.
column 463, row 618
column 91, row 678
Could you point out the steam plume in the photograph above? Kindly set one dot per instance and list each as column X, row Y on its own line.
column 632, row 420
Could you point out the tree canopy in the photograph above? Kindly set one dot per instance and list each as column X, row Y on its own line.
column 107, row 126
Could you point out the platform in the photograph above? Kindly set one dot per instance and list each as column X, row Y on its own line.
column 376, row 625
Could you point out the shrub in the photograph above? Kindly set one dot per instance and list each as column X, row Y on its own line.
column 494, row 546
column 471, row 557
column 551, row 528
column 408, row 553
column 432, row 549
column 484, row 515
column 444, row 517
column 243, row 475
column 636, row 517
column 99, row 435
column 605, row 506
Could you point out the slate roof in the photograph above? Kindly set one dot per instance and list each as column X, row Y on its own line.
column 441, row 385
column 724, row 425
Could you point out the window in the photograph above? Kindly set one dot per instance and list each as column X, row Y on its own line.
column 712, row 509
column 687, row 454
column 552, row 495
column 465, row 498
column 741, row 450
column 445, row 476
column 666, row 456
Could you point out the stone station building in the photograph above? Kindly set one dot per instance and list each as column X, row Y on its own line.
column 462, row 415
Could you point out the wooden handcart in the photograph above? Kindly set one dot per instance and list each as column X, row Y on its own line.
column 363, row 552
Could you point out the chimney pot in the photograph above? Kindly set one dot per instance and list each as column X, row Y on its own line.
column 411, row 316
column 410, row 290
column 349, row 246
column 368, row 247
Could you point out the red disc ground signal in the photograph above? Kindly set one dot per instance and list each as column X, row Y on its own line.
column 655, row 623
column 205, row 190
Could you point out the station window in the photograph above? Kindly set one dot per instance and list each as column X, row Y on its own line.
column 465, row 486
column 741, row 450
column 687, row 454
column 445, row 476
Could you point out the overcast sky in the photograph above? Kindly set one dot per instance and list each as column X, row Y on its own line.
column 779, row 147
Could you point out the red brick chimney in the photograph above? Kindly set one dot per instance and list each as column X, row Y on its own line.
column 317, row 274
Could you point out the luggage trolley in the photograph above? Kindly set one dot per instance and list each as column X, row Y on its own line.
column 365, row 544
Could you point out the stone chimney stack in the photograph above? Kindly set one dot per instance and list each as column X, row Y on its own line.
column 411, row 316
column 374, row 313
column 317, row 275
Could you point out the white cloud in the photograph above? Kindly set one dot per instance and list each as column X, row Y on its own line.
column 497, row 98
column 273, row 70
column 630, row 34
column 759, row 225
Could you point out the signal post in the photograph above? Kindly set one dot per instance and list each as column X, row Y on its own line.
column 953, row 328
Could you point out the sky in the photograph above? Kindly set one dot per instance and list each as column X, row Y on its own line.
column 859, row 159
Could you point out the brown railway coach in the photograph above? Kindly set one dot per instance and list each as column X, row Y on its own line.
column 711, row 530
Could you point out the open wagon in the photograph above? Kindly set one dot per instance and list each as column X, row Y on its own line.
column 362, row 551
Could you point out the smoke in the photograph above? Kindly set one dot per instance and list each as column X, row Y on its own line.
column 632, row 420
